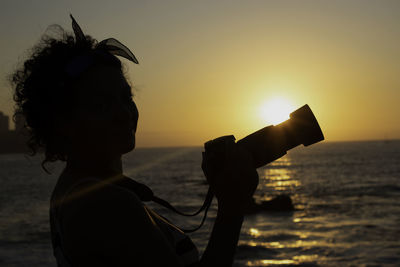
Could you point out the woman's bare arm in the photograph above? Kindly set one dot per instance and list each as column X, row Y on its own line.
column 233, row 181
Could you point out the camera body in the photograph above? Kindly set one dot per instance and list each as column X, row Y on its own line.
column 272, row 142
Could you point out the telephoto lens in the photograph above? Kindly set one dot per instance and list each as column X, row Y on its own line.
column 272, row 142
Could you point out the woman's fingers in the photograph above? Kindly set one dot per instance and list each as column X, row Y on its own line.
column 231, row 175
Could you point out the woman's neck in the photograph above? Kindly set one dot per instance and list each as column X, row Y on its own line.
column 99, row 166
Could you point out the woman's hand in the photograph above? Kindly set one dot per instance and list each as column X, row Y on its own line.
column 231, row 174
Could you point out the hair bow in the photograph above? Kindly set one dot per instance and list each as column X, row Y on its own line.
column 112, row 45
column 81, row 63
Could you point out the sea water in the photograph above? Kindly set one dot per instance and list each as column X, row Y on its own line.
column 346, row 197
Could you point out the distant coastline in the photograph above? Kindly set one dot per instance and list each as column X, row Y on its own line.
column 12, row 141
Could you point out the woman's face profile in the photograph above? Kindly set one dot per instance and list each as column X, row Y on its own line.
column 106, row 116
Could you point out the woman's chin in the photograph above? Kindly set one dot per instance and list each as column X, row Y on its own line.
column 129, row 146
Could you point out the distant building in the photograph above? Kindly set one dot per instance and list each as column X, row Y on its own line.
column 19, row 124
column 12, row 141
column 3, row 123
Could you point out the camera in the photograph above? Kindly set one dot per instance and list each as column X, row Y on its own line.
column 272, row 142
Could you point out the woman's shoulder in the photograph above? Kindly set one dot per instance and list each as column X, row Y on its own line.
column 110, row 217
column 93, row 205
column 95, row 193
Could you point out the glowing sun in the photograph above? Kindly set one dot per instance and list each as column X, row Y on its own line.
column 276, row 110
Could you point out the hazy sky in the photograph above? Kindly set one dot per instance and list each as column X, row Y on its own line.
column 207, row 68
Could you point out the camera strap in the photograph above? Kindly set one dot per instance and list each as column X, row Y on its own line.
column 206, row 205
column 146, row 194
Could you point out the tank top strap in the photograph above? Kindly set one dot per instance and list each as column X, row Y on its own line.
column 183, row 245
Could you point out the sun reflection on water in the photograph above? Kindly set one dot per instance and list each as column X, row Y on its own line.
column 294, row 260
column 293, row 244
column 269, row 262
column 254, row 232
column 278, row 176
column 305, row 258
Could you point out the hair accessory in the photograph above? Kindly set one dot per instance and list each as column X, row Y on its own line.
column 115, row 47
column 79, row 35
column 110, row 46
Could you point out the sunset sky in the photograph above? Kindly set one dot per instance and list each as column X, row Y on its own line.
column 212, row 68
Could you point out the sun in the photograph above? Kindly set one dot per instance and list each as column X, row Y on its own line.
column 276, row 110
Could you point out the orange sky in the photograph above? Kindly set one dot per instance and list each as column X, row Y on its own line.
column 208, row 67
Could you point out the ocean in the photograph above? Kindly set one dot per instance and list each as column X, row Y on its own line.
column 346, row 197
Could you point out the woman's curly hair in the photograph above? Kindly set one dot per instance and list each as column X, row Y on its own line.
column 43, row 93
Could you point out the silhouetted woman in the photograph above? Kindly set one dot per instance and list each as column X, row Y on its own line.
column 78, row 108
